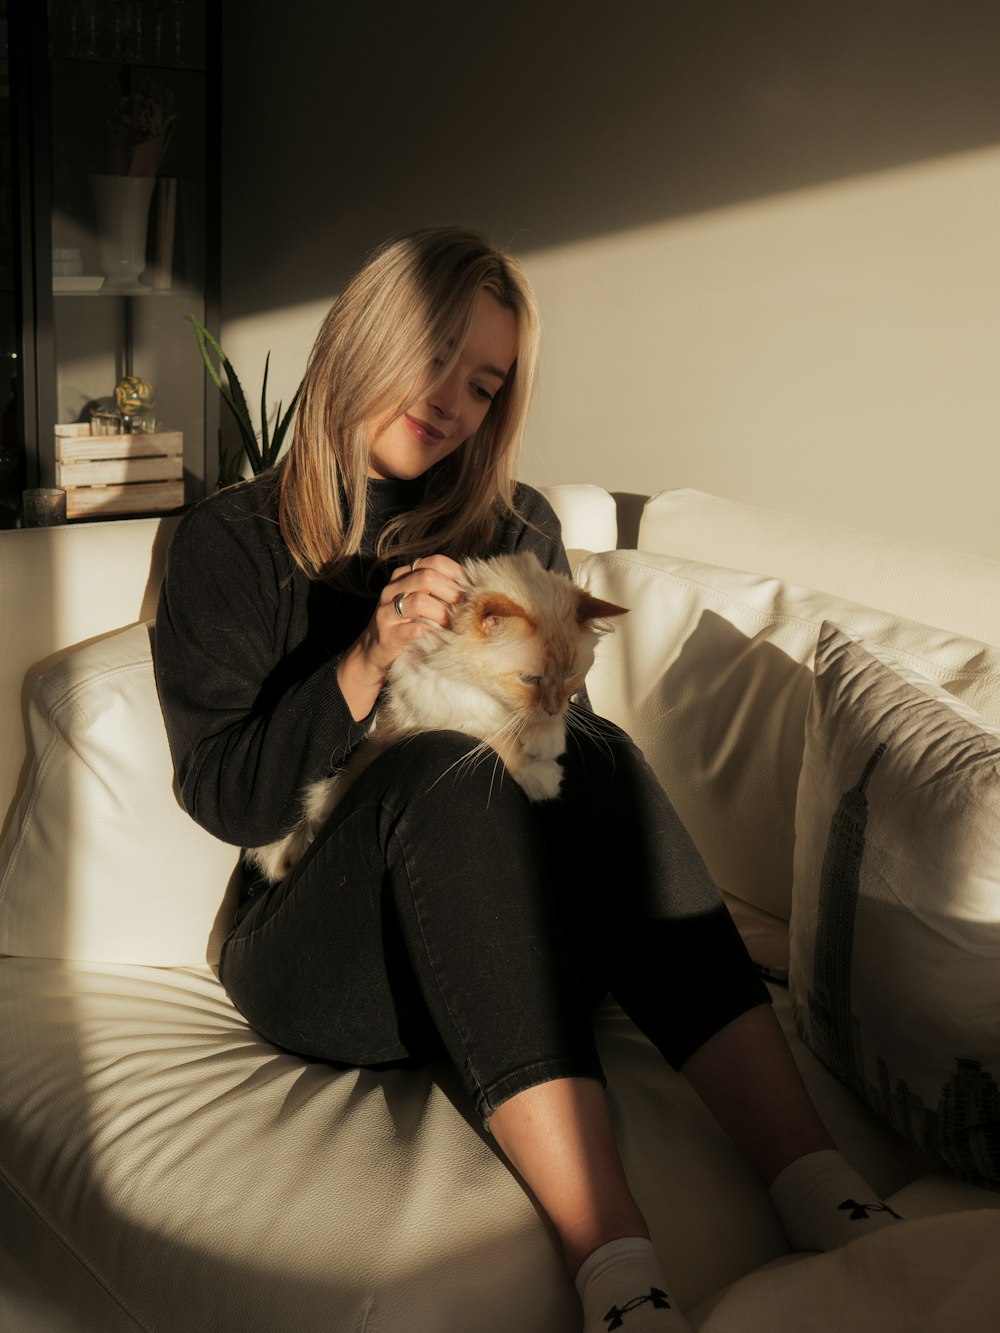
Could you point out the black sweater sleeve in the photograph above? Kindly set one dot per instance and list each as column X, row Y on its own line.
column 246, row 659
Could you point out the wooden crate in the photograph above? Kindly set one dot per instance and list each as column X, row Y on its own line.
column 119, row 474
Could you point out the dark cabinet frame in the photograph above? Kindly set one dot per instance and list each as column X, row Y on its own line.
column 32, row 202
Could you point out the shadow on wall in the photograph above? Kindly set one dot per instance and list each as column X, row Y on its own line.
column 551, row 123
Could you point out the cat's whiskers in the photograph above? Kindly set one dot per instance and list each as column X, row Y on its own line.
column 497, row 767
column 510, row 729
column 479, row 752
column 582, row 721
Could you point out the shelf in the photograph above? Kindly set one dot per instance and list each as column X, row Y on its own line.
column 78, row 67
column 188, row 293
column 107, row 32
column 138, row 63
column 83, row 285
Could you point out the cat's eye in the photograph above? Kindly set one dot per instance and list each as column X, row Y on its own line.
column 531, row 680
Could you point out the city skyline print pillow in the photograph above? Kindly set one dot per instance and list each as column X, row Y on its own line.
column 895, row 931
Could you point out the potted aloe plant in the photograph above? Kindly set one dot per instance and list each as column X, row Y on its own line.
column 263, row 452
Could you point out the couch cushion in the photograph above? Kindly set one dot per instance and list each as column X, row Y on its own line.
column 158, row 1156
column 711, row 672
column 895, row 940
column 928, row 1276
column 101, row 862
column 924, row 583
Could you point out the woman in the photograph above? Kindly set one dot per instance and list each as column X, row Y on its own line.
column 415, row 925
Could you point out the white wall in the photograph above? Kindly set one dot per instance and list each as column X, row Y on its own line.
column 832, row 351
column 767, row 256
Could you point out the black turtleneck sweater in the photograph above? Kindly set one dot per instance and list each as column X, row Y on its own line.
column 247, row 647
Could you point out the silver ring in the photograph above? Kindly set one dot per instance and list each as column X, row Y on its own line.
column 397, row 602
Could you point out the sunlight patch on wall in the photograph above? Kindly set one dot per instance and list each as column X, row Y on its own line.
column 288, row 336
column 830, row 351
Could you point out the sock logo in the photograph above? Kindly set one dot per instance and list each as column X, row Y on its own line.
column 860, row 1211
column 616, row 1315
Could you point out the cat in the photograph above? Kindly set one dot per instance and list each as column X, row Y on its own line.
column 517, row 648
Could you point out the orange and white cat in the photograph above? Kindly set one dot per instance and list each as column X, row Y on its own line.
column 518, row 647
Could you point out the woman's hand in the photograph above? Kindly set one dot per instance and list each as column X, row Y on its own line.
column 427, row 590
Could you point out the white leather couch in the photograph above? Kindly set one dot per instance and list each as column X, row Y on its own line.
column 163, row 1168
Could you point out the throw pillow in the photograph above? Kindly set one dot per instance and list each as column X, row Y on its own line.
column 101, row 862
column 895, row 933
column 710, row 672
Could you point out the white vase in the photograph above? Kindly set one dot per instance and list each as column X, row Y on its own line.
column 122, row 220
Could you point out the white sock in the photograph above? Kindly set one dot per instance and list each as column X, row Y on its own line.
column 621, row 1285
column 823, row 1202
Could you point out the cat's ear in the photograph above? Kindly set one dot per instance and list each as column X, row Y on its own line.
column 593, row 608
column 497, row 612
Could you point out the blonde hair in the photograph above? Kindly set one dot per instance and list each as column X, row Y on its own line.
column 412, row 299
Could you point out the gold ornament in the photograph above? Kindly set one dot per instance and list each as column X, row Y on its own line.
column 133, row 394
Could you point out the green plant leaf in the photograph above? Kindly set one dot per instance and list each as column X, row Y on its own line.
column 201, row 333
column 281, row 427
column 265, row 453
column 236, row 394
column 264, row 450
column 229, row 465
column 233, row 395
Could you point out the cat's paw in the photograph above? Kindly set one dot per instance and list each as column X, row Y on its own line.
column 541, row 779
column 546, row 742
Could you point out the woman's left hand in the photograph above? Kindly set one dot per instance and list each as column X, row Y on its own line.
column 417, row 596
column 426, row 590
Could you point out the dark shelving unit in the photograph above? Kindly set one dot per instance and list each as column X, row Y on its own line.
column 66, row 333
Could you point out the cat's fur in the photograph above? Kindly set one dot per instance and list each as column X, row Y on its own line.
column 518, row 647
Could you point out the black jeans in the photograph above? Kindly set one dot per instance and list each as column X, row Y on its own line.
column 440, row 912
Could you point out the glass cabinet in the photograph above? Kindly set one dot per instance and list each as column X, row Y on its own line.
column 108, row 241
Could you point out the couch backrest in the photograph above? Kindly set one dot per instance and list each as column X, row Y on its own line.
column 588, row 515
column 60, row 587
column 949, row 589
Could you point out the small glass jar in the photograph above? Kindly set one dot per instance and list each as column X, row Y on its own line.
column 43, row 507
column 142, row 422
column 106, row 423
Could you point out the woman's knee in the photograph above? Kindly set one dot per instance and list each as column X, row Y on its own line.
column 448, row 765
column 429, row 747
column 597, row 750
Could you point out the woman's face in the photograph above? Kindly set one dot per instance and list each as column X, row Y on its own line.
column 444, row 417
